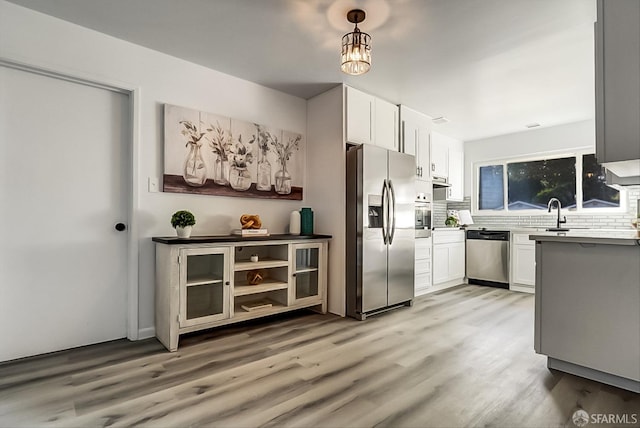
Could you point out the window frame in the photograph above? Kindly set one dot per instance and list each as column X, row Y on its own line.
column 579, row 210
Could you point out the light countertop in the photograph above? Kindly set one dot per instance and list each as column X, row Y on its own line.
column 590, row 236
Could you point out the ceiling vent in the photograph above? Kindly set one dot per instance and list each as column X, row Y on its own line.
column 440, row 120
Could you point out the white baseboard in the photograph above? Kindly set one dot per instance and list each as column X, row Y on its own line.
column 146, row 333
column 522, row 288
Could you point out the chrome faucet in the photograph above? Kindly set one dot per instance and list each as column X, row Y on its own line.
column 558, row 206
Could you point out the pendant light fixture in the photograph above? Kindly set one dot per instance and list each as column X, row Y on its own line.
column 356, row 46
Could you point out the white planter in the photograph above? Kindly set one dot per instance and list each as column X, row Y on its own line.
column 183, row 232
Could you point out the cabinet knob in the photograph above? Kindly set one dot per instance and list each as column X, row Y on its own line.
column 120, row 227
column 227, row 283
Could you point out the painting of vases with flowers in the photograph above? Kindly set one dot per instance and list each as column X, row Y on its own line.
column 210, row 154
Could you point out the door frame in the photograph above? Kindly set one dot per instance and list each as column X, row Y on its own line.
column 133, row 170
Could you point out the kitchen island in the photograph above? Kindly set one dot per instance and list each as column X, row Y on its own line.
column 587, row 306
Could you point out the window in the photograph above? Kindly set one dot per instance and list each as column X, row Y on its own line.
column 527, row 185
column 595, row 192
column 491, row 187
column 532, row 184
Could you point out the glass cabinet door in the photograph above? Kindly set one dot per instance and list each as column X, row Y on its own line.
column 204, row 285
column 306, row 275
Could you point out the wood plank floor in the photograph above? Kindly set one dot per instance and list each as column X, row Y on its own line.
column 461, row 357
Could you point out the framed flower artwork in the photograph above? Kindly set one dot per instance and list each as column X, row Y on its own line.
column 210, row 154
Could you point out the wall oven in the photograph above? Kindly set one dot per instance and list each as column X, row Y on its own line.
column 423, row 219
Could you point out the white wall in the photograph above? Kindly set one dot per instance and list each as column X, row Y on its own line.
column 555, row 139
column 46, row 42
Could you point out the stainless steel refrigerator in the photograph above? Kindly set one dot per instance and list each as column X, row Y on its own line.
column 380, row 230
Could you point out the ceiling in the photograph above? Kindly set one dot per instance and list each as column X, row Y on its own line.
column 489, row 66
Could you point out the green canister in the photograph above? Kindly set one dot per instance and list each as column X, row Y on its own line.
column 306, row 221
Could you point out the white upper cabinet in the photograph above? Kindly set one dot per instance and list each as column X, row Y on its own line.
column 414, row 130
column 447, row 162
column 370, row 120
column 386, row 124
column 456, row 175
column 359, row 119
column 617, row 32
column 439, row 155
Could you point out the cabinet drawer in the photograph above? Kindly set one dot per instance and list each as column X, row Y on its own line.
column 423, row 280
column 446, row 237
column 522, row 239
column 423, row 249
column 423, row 266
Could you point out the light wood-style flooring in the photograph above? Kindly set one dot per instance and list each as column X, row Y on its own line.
column 461, row 357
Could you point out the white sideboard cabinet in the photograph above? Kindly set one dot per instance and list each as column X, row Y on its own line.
column 203, row 282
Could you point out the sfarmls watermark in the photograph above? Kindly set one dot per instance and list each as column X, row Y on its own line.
column 581, row 418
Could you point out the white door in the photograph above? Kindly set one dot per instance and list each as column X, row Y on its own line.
column 63, row 187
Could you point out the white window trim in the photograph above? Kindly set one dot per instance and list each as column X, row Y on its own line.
column 578, row 211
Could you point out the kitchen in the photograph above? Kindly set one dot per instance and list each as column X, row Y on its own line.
column 61, row 53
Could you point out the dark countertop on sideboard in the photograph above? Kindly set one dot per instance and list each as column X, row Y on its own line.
column 210, row 239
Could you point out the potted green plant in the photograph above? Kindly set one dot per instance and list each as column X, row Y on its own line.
column 182, row 221
column 451, row 221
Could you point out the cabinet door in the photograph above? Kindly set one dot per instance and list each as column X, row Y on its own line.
column 439, row 156
column 457, row 254
column 524, row 264
column 204, row 285
column 456, row 175
column 359, row 117
column 423, row 156
column 415, row 140
column 386, row 125
column 307, row 282
column 617, row 80
column 441, row 263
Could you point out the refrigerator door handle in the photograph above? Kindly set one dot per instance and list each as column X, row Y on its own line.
column 392, row 193
column 385, row 208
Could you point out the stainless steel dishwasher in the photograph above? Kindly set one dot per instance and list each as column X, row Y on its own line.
column 488, row 257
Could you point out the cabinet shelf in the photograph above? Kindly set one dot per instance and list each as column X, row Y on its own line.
column 203, row 280
column 268, row 285
column 242, row 314
column 262, row 264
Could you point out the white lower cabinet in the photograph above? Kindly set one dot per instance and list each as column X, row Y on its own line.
column 523, row 263
column 204, row 284
column 449, row 254
column 422, row 266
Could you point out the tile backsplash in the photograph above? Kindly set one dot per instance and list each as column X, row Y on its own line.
column 595, row 221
